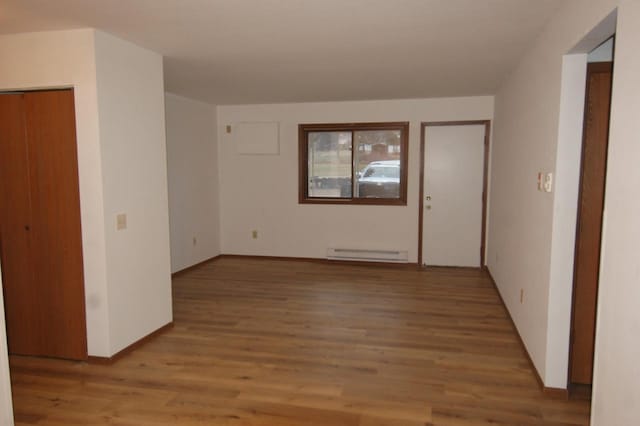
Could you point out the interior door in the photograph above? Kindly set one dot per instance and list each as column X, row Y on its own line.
column 589, row 223
column 453, row 195
column 41, row 234
column 21, row 309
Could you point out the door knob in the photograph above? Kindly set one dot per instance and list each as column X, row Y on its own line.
column 428, row 198
column 428, row 207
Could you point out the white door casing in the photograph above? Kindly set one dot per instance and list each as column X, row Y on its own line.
column 6, row 407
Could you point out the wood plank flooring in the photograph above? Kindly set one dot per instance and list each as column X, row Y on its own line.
column 269, row 342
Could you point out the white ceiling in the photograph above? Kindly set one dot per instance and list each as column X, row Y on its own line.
column 260, row 51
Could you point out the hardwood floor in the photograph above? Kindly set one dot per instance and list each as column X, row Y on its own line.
column 268, row 342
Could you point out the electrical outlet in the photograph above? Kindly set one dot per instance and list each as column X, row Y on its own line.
column 521, row 296
column 254, row 234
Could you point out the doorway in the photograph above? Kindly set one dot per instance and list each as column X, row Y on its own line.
column 589, row 222
column 453, row 193
column 40, row 231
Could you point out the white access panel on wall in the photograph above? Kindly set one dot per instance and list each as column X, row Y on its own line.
column 257, row 138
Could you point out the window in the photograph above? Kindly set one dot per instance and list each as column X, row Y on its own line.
column 362, row 163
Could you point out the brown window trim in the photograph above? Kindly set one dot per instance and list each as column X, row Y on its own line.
column 303, row 176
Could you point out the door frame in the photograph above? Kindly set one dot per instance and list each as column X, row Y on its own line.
column 592, row 68
column 485, row 167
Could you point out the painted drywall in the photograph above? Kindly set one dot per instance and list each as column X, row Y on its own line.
column 6, row 404
column 260, row 192
column 192, row 167
column 133, row 157
column 616, row 389
column 530, row 232
column 564, row 216
column 602, row 53
column 66, row 59
column 119, row 100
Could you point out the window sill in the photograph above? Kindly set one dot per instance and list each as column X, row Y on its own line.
column 355, row 201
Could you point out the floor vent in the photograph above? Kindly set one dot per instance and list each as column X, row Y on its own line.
column 400, row 256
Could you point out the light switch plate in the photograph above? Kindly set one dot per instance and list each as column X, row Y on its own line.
column 540, row 181
column 121, row 221
column 548, row 182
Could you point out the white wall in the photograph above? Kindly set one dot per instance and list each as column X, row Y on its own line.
column 603, row 53
column 192, row 166
column 261, row 191
column 531, row 233
column 133, row 147
column 119, row 100
column 616, row 390
column 564, row 215
column 6, row 404
column 66, row 59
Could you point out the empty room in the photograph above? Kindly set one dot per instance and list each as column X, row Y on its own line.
column 319, row 212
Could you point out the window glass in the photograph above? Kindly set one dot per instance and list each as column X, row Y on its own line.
column 362, row 163
column 378, row 163
column 329, row 157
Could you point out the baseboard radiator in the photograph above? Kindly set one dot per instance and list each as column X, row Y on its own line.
column 364, row 255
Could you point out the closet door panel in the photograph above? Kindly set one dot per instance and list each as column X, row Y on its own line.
column 56, row 249
column 20, row 294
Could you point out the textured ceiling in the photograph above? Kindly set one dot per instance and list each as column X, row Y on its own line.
column 259, row 51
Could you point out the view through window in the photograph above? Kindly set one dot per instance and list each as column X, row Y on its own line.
column 362, row 163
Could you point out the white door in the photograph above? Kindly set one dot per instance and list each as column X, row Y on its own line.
column 453, row 183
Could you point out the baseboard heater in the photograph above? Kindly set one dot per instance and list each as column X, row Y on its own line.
column 364, row 255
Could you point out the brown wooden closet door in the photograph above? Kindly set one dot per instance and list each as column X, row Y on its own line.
column 56, row 240
column 21, row 308
column 590, row 208
column 45, row 302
